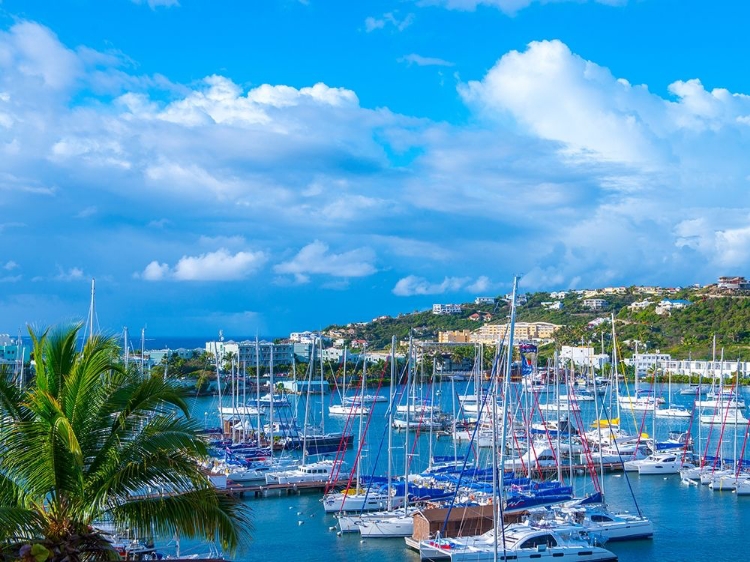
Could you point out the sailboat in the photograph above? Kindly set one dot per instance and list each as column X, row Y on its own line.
column 358, row 498
column 395, row 523
column 672, row 411
column 353, row 406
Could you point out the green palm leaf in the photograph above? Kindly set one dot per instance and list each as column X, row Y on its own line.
column 87, row 441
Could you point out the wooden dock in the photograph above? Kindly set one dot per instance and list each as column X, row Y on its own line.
column 275, row 490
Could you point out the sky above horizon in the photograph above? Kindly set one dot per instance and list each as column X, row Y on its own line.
column 276, row 166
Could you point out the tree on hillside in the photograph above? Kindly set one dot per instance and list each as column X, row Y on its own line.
column 83, row 441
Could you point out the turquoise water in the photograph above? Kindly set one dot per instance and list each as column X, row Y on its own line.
column 691, row 522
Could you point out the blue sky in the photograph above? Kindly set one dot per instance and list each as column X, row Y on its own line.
column 283, row 165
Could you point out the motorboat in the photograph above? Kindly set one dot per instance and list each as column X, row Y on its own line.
column 518, row 542
column 360, row 500
column 673, row 412
column 667, row 463
column 352, row 409
column 599, row 521
column 695, row 390
column 319, row 471
column 721, row 416
column 398, row 525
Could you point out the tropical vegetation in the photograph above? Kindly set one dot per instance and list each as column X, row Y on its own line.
column 85, row 442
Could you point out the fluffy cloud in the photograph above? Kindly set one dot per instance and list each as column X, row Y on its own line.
column 220, row 265
column 72, row 274
column 390, row 18
column 419, row 60
column 316, row 259
column 413, row 285
column 508, row 6
column 563, row 171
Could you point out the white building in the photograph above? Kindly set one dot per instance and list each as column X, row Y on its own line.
column 640, row 305
column 550, row 305
column 666, row 306
column 558, row 295
column 580, row 356
column 594, row 304
column 484, row 300
column 447, row 309
column 304, row 337
column 648, row 362
column 221, row 349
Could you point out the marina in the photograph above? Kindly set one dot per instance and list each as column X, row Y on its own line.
column 297, row 511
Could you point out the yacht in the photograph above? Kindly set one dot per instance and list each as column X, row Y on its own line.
column 662, row 463
column 610, row 526
column 319, row 471
column 359, row 500
column 395, row 525
column 517, row 542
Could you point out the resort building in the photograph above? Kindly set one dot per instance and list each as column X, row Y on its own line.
column 454, row 336
column 529, row 331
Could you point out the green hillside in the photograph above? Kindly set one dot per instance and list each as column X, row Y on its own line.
column 681, row 332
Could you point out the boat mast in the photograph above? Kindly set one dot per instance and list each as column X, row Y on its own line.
column 390, row 416
column 257, row 393
column 408, row 421
column 219, row 345
column 126, row 345
column 311, row 370
column 504, row 410
column 89, row 327
column 322, row 401
column 273, row 396
column 143, row 352
column 361, row 411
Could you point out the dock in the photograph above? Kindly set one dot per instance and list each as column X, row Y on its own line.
column 276, row 490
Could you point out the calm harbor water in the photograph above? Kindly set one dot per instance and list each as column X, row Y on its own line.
column 691, row 522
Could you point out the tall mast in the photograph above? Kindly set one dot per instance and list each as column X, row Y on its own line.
column 88, row 329
column 257, row 392
column 218, row 376
column 390, row 416
column 408, row 414
column 143, row 352
column 92, row 310
column 273, row 396
column 126, row 345
column 504, row 410
column 322, row 401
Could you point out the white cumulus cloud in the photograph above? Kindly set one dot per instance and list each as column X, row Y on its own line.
column 414, row 285
column 316, row 259
column 220, row 265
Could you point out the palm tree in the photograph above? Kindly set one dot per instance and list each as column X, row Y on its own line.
column 87, row 441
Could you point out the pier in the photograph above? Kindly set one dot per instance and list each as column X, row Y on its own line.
column 275, row 490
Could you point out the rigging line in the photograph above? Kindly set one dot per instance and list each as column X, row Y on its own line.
column 619, row 456
column 480, row 410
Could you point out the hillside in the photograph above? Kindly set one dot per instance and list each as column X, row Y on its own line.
column 680, row 332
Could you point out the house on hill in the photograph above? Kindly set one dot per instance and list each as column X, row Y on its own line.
column 666, row 306
column 733, row 283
